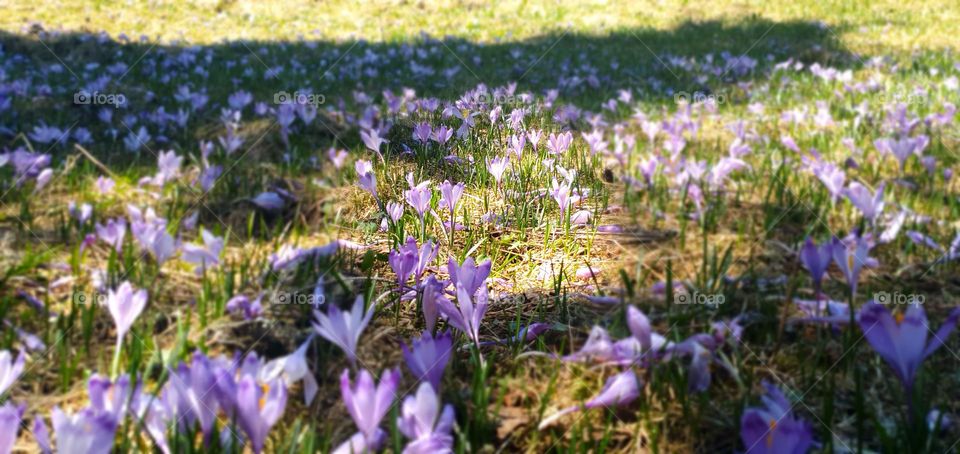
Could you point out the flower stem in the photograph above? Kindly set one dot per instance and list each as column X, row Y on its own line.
column 115, row 365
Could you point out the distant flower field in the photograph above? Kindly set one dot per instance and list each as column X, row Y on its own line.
column 424, row 227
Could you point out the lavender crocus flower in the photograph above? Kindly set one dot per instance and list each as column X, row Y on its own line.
column 105, row 185
column 368, row 403
column 87, row 432
column 422, row 132
column 469, row 274
column 901, row 339
column 432, row 293
column 10, row 369
column 125, row 305
column 428, row 427
column 373, row 141
column 871, row 205
column 621, row 389
column 259, row 407
column 773, row 428
column 293, row 368
column 113, row 232
column 450, row 195
column 427, row 357
column 344, row 328
column 206, row 255
column 10, row 417
column 561, row 194
column 833, row 178
column 337, row 157
column 41, row 433
column 242, row 304
column 442, row 134
column 851, row 258
column 497, row 166
column 466, row 316
column 816, row 259
column 394, row 211
column 367, row 179
column 559, row 143
column 403, row 261
column 269, row 201
column 418, row 196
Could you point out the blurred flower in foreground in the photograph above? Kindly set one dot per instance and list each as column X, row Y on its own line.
column 621, row 389
column 425, row 424
column 125, row 305
column 344, row 328
column 773, row 428
column 901, row 339
column 427, row 357
column 10, row 369
column 367, row 404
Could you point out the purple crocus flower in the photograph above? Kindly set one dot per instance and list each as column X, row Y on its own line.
column 105, row 185
column 442, row 134
column 621, row 389
column 367, row 179
column 269, row 201
column 903, row 148
column 112, row 397
column 561, row 193
column 851, row 257
column 168, row 167
column 466, row 316
column 41, row 433
column 871, row 205
column 344, row 328
column 10, row 417
column 113, row 232
column 427, row 357
column 832, row 177
column 559, row 143
column 293, row 368
column 189, row 385
column 422, row 132
column 125, row 305
column 242, row 304
column 403, row 260
column 497, row 166
column 773, row 428
column 337, row 157
column 371, row 138
column 259, row 407
column 450, row 195
column 418, row 196
column 816, row 259
column 901, row 339
column 394, row 211
column 368, row 404
column 206, row 255
column 87, row 432
column 10, row 369
column 432, row 294
column 471, row 275
column 422, row 420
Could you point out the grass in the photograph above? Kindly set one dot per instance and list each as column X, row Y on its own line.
column 738, row 244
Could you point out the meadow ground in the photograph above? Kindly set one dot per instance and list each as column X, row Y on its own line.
column 674, row 226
